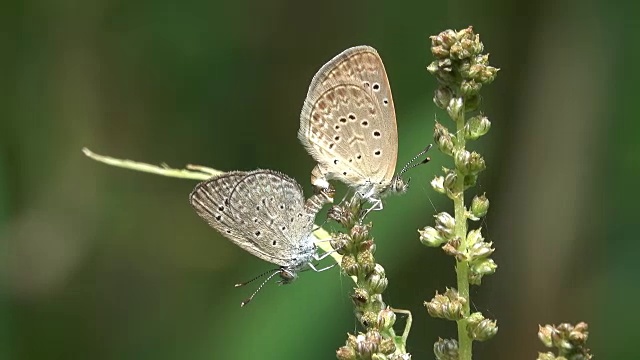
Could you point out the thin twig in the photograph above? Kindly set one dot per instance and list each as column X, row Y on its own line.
column 200, row 173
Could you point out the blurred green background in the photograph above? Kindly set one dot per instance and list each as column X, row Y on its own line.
column 105, row 263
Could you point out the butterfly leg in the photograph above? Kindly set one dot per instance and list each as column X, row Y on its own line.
column 324, row 255
column 376, row 206
column 323, row 269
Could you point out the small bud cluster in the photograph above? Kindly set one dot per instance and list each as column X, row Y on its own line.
column 369, row 345
column 358, row 248
column 448, row 306
column 570, row 341
column 461, row 70
column 479, row 328
column 446, row 349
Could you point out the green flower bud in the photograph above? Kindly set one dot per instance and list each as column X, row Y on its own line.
column 476, row 163
column 475, row 70
column 439, row 52
column 366, row 261
column 446, row 349
column 448, row 306
column 444, row 39
column 360, row 297
column 349, row 265
column 443, row 71
column 364, row 348
column 378, row 356
column 469, row 162
column 387, row 347
column 369, row 319
column 580, row 333
column 455, row 108
column 374, row 337
column 433, row 68
column 431, row 237
column 379, row 270
column 481, row 268
column 479, row 207
column 442, row 96
column 545, row 333
column 461, row 160
column 470, row 87
column 474, row 237
column 340, row 243
column 352, row 341
column 443, row 138
column 484, row 267
column 377, row 284
column 340, row 215
column 367, row 245
column 386, row 319
column 359, row 232
column 450, row 179
column 479, row 328
column 438, row 184
column 346, row 353
column 445, row 225
column 476, row 127
column 458, row 51
column 482, row 59
column 488, row 74
column 480, row 250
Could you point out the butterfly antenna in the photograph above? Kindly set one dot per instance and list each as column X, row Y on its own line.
column 255, row 278
column 273, row 273
column 411, row 165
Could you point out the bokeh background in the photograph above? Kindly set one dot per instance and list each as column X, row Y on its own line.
column 104, row 263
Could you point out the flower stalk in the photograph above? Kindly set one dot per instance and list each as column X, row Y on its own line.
column 357, row 248
column 461, row 70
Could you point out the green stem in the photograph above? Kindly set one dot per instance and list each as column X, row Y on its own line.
column 462, row 267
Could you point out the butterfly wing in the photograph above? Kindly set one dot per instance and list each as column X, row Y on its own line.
column 274, row 216
column 211, row 200
column 354, row 83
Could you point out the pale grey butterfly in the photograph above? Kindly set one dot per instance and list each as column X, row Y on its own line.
column 348, row 125
column 265, row 213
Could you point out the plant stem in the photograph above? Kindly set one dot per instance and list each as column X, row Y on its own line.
column 462, row 267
